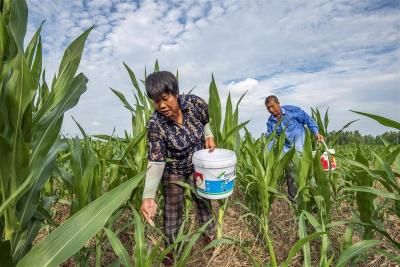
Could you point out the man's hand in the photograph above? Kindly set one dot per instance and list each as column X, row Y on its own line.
column 210, row 144
column 319, row 137
column 149, row 209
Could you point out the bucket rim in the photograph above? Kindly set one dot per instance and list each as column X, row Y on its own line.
column 212, row 164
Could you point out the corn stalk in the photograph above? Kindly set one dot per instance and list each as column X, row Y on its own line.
column 364, row 177
column 132, row 163
column 260, row 168
column 226, row 135
column 30, row 122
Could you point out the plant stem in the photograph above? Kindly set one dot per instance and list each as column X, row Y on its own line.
column 221, row 213
column 98, row 249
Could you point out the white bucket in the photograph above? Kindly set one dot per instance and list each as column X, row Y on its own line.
column 328, row 161
column 214, row 172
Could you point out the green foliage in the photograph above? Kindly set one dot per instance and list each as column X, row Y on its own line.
column 68, row 238
column 226, row 135
column 381, row 120
column 93, row 173
column 30, row 122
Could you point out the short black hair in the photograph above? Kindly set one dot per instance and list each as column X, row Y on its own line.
column 161, row 82
column 271, row 98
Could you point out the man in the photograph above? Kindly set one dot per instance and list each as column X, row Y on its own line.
column 178, row 127
column 293, row 120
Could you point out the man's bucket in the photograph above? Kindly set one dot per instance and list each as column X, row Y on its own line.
column 214, row 173
column 328, row 161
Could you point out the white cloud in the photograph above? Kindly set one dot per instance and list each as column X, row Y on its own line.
column 344, row 55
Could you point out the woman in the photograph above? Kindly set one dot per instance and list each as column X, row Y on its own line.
column 178, row 127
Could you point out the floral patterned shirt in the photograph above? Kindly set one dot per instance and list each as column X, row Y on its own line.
column 175, row 143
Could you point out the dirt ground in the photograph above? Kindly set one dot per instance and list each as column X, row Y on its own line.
column 283, row 230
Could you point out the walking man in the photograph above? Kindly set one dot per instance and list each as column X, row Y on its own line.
column 293, row 119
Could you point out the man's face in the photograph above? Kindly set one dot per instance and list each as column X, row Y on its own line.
column 167, row 105
column 274, row 108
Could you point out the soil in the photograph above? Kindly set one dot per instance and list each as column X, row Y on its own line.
column 283, row 231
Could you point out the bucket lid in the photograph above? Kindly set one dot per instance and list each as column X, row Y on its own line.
column 219, row 158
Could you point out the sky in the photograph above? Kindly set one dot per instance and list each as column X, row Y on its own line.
column 344, row 55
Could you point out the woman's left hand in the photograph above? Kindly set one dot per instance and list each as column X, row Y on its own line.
column 210, row 144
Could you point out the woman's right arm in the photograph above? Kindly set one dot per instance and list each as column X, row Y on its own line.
column 155, row 169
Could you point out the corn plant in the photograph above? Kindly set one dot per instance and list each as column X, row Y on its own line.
column 260, row 169
column 314, row 191
column 72, row 235
column 226, row 135
column 347, row 255
column 145, row 256
column 364, row 177
column 84, row 177
column 141, row 256
column 30, row 122
column 315, row 186
column 331, row 138
column 133, row 163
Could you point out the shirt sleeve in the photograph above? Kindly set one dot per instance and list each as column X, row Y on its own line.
column 307, row 120
column 202, row 108
column 270, row 128
column 156, row 142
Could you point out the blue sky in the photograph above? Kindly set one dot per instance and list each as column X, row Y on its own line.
column 338, row 54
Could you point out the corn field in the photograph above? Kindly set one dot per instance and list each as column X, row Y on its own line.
column 349, row 216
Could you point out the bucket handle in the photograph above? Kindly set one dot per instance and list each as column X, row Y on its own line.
column 326, row 147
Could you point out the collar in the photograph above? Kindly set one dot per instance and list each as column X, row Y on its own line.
column 283, row 113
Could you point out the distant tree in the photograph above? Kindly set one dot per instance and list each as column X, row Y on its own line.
column 355, row 137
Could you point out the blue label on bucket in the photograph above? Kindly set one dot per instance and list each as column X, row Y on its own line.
column 217, row 187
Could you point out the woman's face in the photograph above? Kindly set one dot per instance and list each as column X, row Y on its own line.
column 167, row 105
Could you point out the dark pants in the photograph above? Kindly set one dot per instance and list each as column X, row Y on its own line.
column 291, row 185
column 173, row 208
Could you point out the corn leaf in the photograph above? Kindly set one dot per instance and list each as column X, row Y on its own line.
column 68, row 238
column 374, row 191
column 140, row 241
column 381, row 120
column 18, row 22
column 214, row 111
column 184, row 257
column 306, row 247
column 298, row 245
column 133, row 78
column 118, row 248
column 4, row 39
column 354, row 251
column 156, row 66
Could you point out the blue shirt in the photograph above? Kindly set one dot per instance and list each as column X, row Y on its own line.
column 293, row 119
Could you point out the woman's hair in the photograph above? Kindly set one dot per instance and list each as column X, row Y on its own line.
column 161, row 82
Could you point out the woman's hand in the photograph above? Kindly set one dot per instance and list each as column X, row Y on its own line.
column 149, row 210
column 210, row 144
